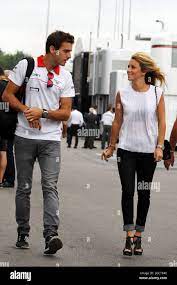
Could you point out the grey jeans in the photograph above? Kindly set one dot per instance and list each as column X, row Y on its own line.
column 48, row 155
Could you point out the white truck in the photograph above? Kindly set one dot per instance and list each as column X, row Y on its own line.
column 164, row 51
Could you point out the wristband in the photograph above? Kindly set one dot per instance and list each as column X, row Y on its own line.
column 26, row 109
column 159, row 146
column 111, row 145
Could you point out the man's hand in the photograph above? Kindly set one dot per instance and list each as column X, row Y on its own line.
column 64, row 134
column 36, row 124
column 169, row 162
column 33, row 114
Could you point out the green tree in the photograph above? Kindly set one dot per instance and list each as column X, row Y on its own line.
column 8, row 61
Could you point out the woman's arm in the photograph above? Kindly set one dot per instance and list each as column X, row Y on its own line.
column 161, row 121
column 173, row 136
column 116, row 125
column 158, row 153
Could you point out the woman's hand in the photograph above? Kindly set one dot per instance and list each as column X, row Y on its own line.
column 170, row 161
column 107, row 153
column 158, row 154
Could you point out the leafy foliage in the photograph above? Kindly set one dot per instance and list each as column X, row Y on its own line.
column 8, row 61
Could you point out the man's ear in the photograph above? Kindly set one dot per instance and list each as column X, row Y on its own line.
column 52, row 50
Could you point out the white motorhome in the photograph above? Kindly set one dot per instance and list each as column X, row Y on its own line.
column 164, row 51
column 118, row 80
column 107, row 71
column 102, row 63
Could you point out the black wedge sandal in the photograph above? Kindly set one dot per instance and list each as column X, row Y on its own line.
column 137, row 246
column 128, row 246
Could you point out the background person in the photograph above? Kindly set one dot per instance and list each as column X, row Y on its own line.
column 3, row 141
column 75, row 121
column 3, row 159
column 90, row 120
column 9, row 175
column 140, row 125
column 7, row 165
column 173, row 142
column 107, row 119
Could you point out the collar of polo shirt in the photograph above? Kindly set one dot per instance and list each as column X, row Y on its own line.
column 40, row 63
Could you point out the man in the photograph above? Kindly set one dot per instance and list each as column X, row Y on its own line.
column 7, row 166
column 3, row 141
column 9, row 175
column 173, row 142
column 3, row 159
column 75, row 121
column 38, row 133
column 90, row 126
column 107, row 120
column 95, row 112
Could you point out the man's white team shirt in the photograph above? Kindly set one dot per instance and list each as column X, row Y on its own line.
column 38, row 95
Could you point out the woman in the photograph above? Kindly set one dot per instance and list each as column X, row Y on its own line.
column 139, row 125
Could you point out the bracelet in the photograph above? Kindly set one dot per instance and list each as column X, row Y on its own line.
column 159, row 146
column 26, row 109
column 111, row 145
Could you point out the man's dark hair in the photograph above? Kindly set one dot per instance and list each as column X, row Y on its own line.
column 57, row 38
column 109, row 108
column 74, row 107
column 1, row 71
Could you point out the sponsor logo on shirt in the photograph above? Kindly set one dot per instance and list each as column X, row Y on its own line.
column 35, row 74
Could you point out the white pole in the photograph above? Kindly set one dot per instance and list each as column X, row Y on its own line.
column 99, row 15
column 115, row 20
column 122, row 34
column 122, row 16
column 129, row 22
column 90, row 42
column 48, row 14
column 118, row 22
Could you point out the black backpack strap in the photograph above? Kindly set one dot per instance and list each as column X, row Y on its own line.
column 156, row 95
column 29, row 70
column 155, row 88
column 30, row 67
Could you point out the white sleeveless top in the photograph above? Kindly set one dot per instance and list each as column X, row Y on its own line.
column 139, row 130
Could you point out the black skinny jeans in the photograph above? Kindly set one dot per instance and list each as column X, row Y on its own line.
column 129, row 164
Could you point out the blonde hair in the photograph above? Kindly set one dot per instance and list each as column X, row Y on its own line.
column 3, row 77
column 148, row 65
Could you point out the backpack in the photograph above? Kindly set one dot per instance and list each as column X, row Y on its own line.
column 8, row 116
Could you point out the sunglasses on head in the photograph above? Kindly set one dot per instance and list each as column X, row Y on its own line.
column 50, row 76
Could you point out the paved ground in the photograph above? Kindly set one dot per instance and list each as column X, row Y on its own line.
column 91, row 219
